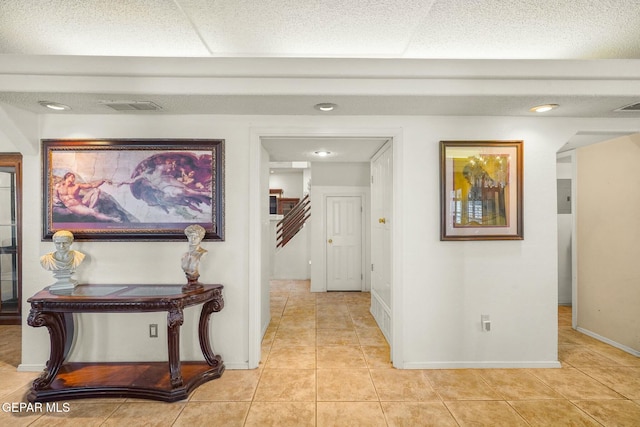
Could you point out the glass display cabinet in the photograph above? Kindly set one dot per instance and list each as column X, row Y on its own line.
column 10, row 238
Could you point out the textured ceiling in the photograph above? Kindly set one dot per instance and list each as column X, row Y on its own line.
column 371, row 57
column 499, row 29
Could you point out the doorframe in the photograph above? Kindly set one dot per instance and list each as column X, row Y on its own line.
column 256, row 218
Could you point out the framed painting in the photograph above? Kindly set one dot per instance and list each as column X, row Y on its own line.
column 481, row 190
column 142, row 189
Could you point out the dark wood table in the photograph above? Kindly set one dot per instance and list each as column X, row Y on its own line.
column 164, row 381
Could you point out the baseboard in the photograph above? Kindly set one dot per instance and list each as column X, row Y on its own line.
column 236, row 366
column 480, row 365
column 608, row 341
column 23, row 367
column 382, row 315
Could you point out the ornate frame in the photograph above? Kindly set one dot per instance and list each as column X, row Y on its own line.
column 133, row 189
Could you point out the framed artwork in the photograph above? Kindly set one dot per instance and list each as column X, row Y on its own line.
column 133, row 189
column 481, row 190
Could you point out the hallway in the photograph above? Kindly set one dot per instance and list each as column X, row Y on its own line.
column 325, row 363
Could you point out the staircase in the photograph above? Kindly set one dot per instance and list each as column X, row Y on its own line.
column 293, row 222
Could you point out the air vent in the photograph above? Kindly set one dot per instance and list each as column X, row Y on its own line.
column 630, row 107
column 132, row 105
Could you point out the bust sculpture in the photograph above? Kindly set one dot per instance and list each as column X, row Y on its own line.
column 63, row 262
column 191, row 259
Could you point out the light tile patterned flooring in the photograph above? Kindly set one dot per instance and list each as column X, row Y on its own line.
column 325, row 363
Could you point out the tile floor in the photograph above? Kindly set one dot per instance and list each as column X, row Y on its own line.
column 325, row 363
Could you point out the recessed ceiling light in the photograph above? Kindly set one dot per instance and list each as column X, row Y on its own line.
column 322, row 153
column 543, row 108
column 54, row 105
column 325, row 106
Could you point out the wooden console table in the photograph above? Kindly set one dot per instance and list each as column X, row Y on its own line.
column 147, row 380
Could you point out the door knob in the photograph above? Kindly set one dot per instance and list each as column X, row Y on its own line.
column 382, row 220
column 330, row 240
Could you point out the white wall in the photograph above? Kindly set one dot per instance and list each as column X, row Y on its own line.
column 291, row 262
column 18, row 128
column 608, row 270
column 289, row 182
column 125, row 337
column 266, row 249
column 444, row 288
column 340, row 174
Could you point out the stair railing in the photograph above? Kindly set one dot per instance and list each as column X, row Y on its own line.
column 293, row 222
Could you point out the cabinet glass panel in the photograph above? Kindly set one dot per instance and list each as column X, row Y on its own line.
column 9, row 302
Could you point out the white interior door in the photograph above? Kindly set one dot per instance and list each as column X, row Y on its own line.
column 344, row 243
column 381, row 229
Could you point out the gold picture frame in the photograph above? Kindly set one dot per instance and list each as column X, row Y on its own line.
column 481, row 190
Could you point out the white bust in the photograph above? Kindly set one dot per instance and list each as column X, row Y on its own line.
column 191, row 259
column 63, row 261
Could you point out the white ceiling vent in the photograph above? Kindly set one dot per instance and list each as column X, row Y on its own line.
column 630, row 107
column 132, row 105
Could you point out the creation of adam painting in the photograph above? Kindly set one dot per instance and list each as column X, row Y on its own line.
column 481, row 190
column 133, row 189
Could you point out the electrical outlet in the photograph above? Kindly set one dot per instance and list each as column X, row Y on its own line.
column 153, row 330
column 485, row 322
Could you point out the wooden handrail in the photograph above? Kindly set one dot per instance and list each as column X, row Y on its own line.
column 292, row 219
column 299, row 206
column 293, row 222
column 289, row 233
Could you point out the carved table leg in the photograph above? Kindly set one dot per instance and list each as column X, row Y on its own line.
column 60, row 342
column 215, row 305
column 70, row 331
column 175, row 318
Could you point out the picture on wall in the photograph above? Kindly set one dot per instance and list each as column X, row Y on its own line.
column 481, row 190
column 143, row 189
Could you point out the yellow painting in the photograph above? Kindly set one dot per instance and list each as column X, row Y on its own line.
column 481, row 190
column 480, row 185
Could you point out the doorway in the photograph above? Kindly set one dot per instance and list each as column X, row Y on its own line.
column 259, row 257
column 566, row 218
column 566, row 169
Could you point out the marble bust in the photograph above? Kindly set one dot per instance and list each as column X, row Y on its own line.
column 191, row 259
column 63, row 262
